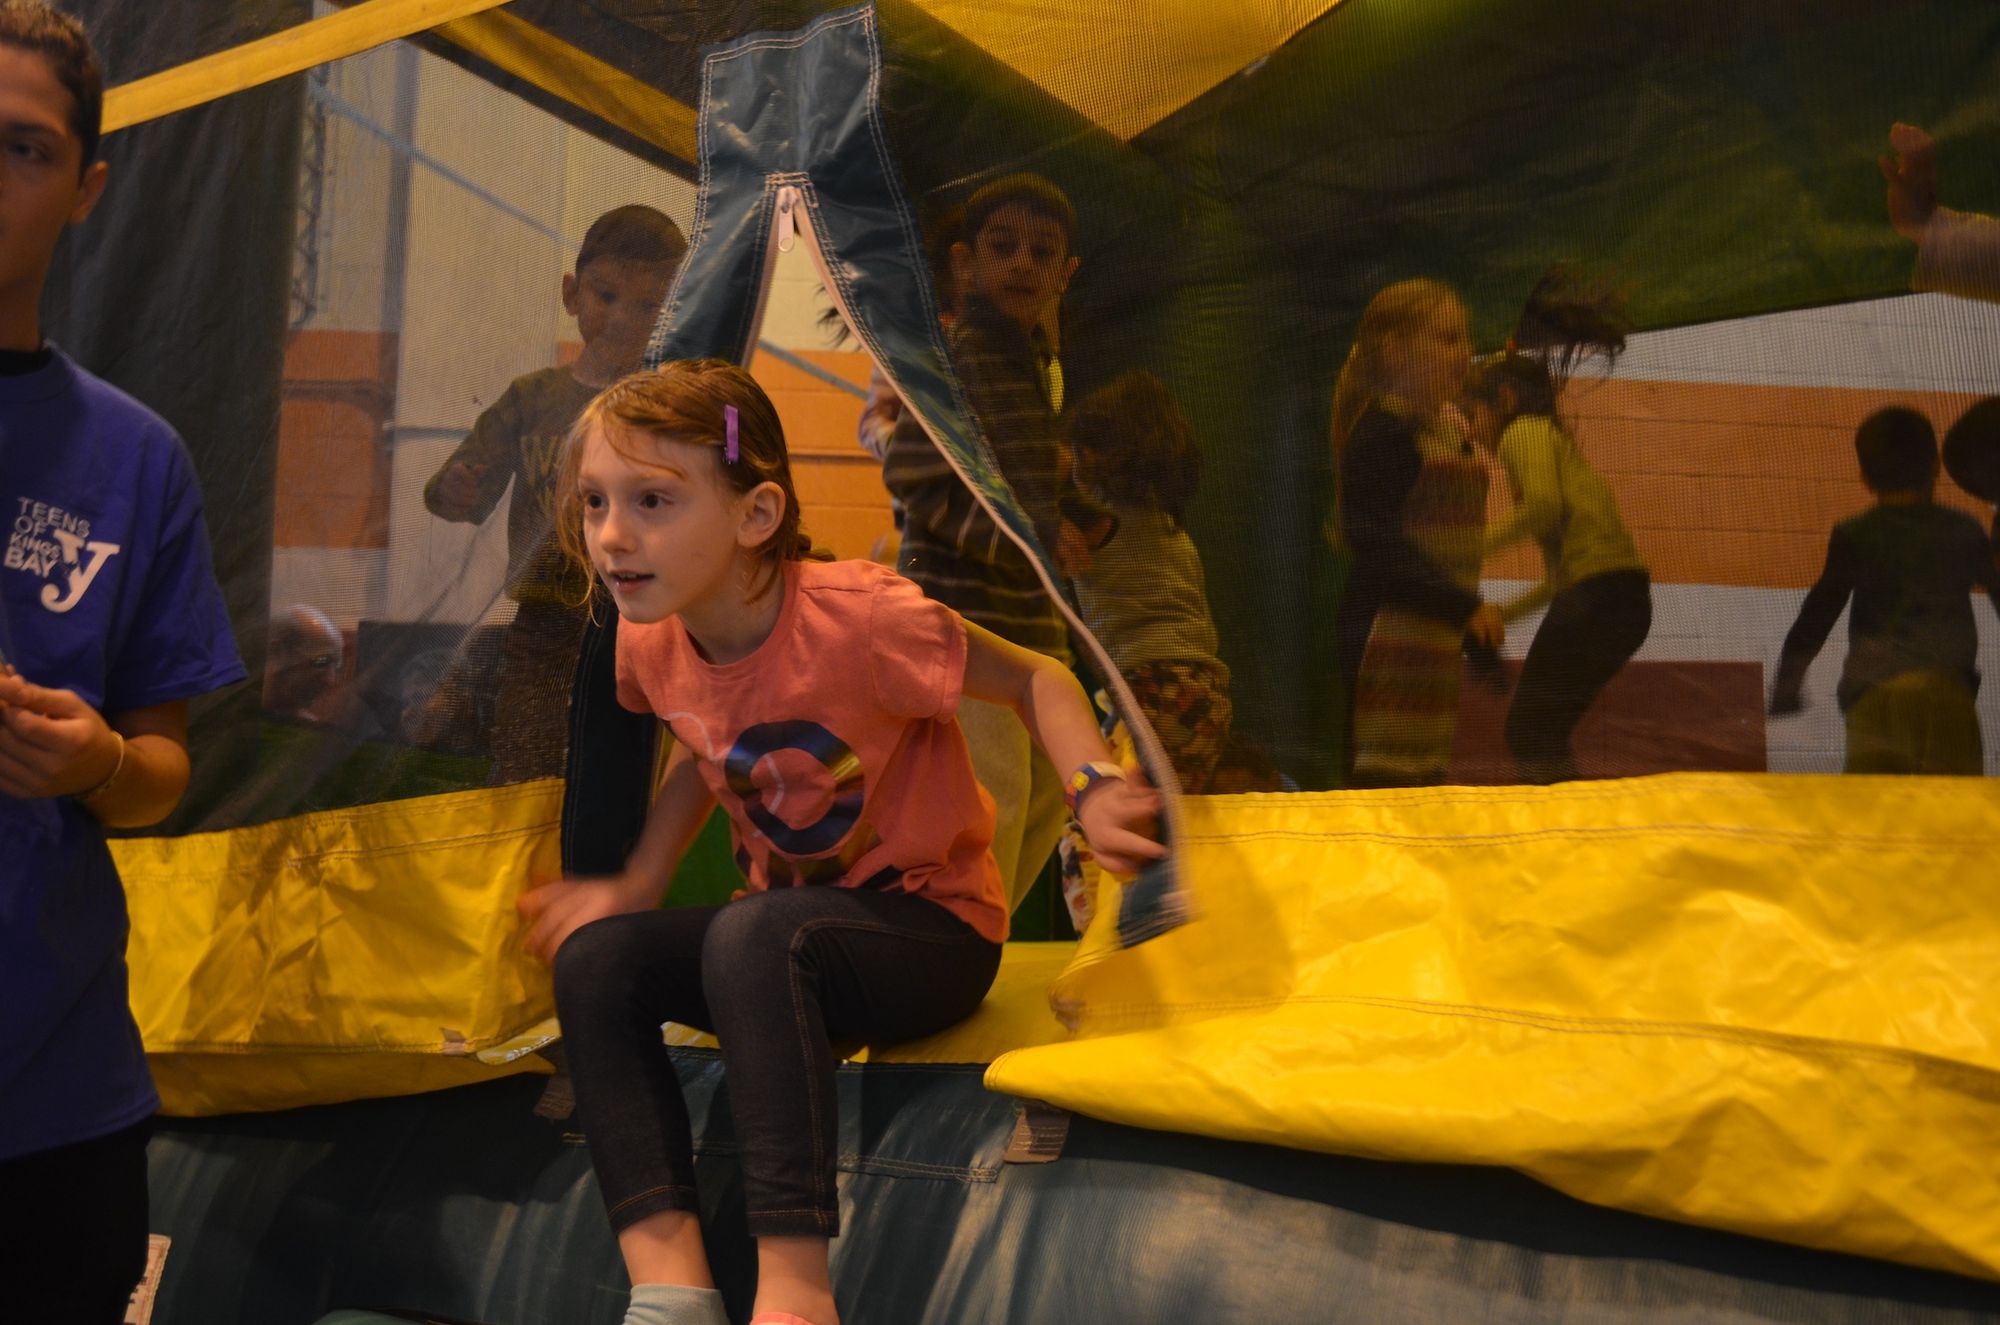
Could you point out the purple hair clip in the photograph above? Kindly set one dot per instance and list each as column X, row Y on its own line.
column 730, row 450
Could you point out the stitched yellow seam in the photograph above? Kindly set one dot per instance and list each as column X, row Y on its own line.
column 1805, row 1046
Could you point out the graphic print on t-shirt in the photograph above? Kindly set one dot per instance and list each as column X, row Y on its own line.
column 828, row 760
column 802, row 789
column 44, row 539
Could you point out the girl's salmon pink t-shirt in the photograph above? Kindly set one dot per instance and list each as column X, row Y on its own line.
column 834, row 746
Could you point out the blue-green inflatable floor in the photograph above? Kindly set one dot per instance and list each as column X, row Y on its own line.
column 465, row 1206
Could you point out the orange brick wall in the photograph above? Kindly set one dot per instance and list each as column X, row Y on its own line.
column 1720, row 483
column 333, row 466
column 339, row 393
column 840, row 485
column 1729, row 484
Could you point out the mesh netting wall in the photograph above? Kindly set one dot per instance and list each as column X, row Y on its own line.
column 372, row 259
column 1716, row 167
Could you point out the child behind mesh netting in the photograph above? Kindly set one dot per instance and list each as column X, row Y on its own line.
column 1410, row 506
column 1910, row 566
column 627, row 261
column 1594, row 582
column 1144, row 594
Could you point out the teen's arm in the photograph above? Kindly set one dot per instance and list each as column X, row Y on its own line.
column 557, row 910
column 129, row 769
column 1117, row 816
column 1817, row 614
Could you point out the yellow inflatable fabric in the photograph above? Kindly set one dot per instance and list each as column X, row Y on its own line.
column 1760, row 1003
column 339, row 955
column 376, row 951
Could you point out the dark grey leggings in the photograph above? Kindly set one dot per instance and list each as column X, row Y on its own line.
column 1592, row 629
column 775, row 976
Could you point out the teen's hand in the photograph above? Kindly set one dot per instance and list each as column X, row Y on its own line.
column 1487, row 628
column 1120, row 819
column 554, row 911
column 1912, row 179
column 456, row 496
column 51, row 742
column 1786, row 701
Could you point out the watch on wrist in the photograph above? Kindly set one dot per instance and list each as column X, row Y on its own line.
column 1081, row 781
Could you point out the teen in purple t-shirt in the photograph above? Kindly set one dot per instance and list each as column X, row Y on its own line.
column 111, row 621
column 105, row 591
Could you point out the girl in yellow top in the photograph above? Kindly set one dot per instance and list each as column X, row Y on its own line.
column 1595, row 582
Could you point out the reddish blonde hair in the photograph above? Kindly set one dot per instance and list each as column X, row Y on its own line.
column 684, row 402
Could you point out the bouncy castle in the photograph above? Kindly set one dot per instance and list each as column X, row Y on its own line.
column 1555, row 923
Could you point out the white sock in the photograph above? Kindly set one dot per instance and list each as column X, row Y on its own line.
column 675, row 1304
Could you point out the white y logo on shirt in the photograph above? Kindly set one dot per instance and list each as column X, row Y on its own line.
column 45, row 537
column 81, row 572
